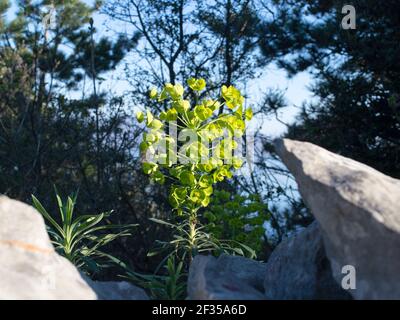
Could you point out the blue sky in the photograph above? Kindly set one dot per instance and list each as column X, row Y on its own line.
column 296, row 92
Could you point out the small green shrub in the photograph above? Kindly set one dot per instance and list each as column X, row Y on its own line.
column 80, row 239
column 240, row 218
column 171, row 285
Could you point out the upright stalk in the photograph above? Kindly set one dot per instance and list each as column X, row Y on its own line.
column 192, row 233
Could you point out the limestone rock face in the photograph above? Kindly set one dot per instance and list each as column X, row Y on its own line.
column 30, row 268
column 358, row 210
column 299, row 269
column 225, row 278
column 250, row 271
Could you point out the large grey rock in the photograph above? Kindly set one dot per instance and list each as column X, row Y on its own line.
column 114, row 290
column 247, row 270
column 299, row 269
column 225, row 278
column 358, row 209
column 31, row 269
column 29, row 266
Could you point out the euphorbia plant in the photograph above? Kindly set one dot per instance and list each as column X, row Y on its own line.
column 193, row 145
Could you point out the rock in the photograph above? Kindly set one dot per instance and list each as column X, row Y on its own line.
column 225, row 278
column 250, row 271
column 299, row 269
column 113, row 290
column 30, row 268
column 358, row 210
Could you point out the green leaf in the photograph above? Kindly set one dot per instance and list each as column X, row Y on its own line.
column 150, row 137
column 163, row 95
column 149, row 167
column 180, row 193
column 197, row 195
column 187, row 178
column 140, row 116
column 181, row 106
column 61, row 208
column 212, row 104
column 202, row 112
column 249, row 114
column 237, row 163
column 156, row 124
column 219, row 175
column 205, row 202
column 90, row 222
column 150, row 117
column 159, row 221
column 174, row 91
column 38, row 206
column 232, row 97
column 208, row 191
column 172, row 115
column 178, row 90
column 205, row 181
column 173, row 201
column 69, row 210
column 163, row 116
column 143, row 146
column 153, row 93
column 196, row 84
column 158, row 177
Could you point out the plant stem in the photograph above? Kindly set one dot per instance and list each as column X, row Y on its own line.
column 192, row 233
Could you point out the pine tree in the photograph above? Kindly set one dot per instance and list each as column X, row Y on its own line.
column 356, row 75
